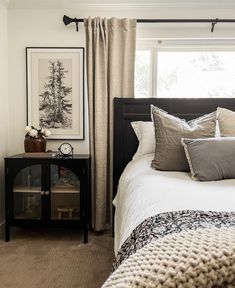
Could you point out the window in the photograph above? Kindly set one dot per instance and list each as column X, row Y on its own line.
column 186, row 71
column 142, row 73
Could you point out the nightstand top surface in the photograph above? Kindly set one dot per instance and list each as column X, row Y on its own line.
column 47, row 155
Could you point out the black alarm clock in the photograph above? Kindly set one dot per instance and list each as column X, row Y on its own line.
column 66, row 149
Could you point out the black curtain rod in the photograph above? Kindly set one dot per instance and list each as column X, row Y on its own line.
column 67, row 20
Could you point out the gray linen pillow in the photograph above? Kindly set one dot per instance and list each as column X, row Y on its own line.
column 211, row 159
column 226, row 119
column 169, row 152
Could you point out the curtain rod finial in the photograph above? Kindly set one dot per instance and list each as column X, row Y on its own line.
column 67, row 20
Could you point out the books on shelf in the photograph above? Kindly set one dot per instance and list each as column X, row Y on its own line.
column 40, row 154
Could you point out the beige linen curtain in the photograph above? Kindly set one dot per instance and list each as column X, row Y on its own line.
column 110, row 48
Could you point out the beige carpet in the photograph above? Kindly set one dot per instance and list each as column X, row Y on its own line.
column 55, row 259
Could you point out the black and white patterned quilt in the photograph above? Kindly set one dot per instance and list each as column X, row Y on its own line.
column 163, row 224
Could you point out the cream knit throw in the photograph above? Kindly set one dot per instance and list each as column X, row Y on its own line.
column 200, row 258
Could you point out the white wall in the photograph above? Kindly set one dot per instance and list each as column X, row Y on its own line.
column 44, row 27
column 4, row 119
column 28, row 28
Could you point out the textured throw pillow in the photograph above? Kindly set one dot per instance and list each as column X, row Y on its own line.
column 211, row 159
column 144, row 132
column 169, row 152
column 226, row 119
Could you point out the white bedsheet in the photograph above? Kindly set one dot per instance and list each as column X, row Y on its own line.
column 144, row 192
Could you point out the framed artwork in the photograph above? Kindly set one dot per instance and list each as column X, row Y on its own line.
column 55, row 90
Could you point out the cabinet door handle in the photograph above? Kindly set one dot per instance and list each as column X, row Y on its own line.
column 42, row 193
column 47, row 193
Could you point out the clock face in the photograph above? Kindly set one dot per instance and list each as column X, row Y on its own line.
column 66, row 148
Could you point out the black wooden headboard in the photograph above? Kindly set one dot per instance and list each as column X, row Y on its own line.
column 127, row 110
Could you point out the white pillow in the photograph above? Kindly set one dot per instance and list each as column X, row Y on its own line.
column 144, row 132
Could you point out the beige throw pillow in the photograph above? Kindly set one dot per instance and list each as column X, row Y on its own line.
column 226, row 119
column 169, row 152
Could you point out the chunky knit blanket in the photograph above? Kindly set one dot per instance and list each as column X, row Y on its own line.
column 178, row 249
column 200, row 258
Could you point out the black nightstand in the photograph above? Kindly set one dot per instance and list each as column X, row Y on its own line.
column 41, row 190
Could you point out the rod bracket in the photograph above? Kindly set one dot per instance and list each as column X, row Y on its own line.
column 76, row 22
column 213, row 24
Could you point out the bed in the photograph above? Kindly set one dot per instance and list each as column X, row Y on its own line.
column 157, row 212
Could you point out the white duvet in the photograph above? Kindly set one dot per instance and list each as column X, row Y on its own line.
column 144, row 192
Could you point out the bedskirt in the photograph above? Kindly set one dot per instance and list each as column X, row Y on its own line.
column 178, row 249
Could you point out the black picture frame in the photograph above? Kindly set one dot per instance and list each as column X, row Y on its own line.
column 60, row 110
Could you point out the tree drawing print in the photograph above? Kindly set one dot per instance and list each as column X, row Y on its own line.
column 55, row 98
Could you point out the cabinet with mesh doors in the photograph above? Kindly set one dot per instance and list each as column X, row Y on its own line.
column 41, row 190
